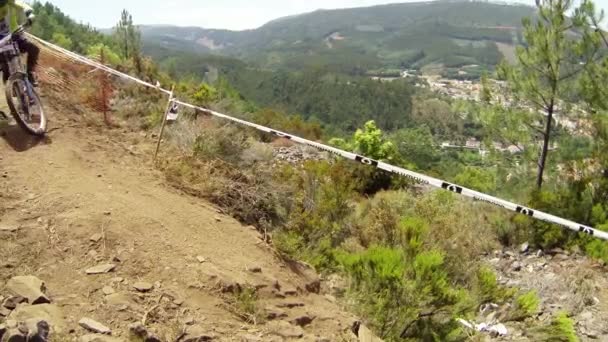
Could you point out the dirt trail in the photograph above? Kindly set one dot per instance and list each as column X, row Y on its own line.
column 82, row 181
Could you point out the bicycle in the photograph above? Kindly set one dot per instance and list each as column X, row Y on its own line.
column 21, row 97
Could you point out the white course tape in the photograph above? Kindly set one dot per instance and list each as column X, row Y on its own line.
column 478, row 196
column 475, row 195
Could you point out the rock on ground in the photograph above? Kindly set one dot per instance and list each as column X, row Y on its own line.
column 100, row 269
column 197, row 334
column 94, row 326
column 98, row 338
column 28, row 287
column 49, row 313
column 303, row 320
column 118, row 298
column 366, row 335
column 12, row 302
column 285, row 330
column 142, row 286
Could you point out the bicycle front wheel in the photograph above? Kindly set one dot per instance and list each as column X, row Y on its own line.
column 25, row 104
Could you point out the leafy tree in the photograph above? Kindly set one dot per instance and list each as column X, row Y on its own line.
column 417, row 146
column 437, row 115
column 547, row 67
column 477, row 178
column 61, row 40
column 204, row 95
column 109, row 56
column 53, row 25
column 370, row 142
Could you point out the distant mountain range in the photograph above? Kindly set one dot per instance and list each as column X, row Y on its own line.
column 447, row 35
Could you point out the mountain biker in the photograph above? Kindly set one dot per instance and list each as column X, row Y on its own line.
column 12, row 12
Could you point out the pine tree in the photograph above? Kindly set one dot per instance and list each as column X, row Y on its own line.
column 486, row 91
column 548, row 66
column 128, row 38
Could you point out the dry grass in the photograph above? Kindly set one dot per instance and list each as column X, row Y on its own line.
column 247, row 196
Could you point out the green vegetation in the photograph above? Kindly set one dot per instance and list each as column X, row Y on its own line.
column 488, row 288
column 561, row 329
column 52, row 25
column 526, row 305
column 245, row 305
column 344, row 103
column 355, row 41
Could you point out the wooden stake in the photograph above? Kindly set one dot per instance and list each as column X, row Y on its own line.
column 162, row 127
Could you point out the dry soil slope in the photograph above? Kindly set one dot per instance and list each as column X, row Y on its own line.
column 85, row 180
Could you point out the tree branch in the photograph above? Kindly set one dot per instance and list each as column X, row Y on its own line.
column 420, row 316
column 599, row 30
column 538, row 130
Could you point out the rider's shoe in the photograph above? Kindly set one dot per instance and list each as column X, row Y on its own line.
column 33, row 79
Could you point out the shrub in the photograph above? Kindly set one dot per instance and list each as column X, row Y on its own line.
column 248, row 196
column 561, row 329
column 488, row 288
column 257, row 152
column 293, row 124
column 379, row 224
column 224, row 142
column 370, row 142
column 597, row 249
column 411, row 295
column 412, row 231
column 245, row 305
column 204, row 95
column 290, row 243
column 183, row 134
column 526, row 305
column 109, row 56
column 476, row 178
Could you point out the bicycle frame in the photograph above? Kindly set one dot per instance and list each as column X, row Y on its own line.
column 9, row 50
column 11, row 55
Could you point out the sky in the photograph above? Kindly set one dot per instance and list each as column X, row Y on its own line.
column 225, row 14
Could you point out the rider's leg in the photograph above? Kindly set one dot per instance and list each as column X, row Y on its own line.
column 33, row 52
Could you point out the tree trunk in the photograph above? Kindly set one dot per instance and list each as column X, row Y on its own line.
column 546, row 141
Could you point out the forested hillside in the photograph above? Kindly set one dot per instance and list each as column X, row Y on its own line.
column 355, row 41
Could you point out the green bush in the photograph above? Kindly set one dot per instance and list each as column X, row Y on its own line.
column 489, row 290
column 561, row 329
column 221, row 142
column 412, row 233
column 318, row 207
column 412, row 295
column 476, row 178
column 417, row 147
column 370, row 142
column 526, row 305
column 292, row 124
column 245, row 305
column 597, row 249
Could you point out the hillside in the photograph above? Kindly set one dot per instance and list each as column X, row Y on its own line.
column 358, row 40
column 83, row 197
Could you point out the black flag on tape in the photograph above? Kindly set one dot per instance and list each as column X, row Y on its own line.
column 173, row 112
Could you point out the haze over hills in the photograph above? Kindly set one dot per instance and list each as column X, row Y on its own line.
column 447, row 34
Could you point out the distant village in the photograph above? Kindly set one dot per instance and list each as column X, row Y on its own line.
column 468, row 90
